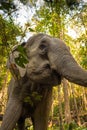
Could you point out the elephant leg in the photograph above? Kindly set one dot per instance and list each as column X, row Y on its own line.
column 12, row 114
column 41, row 114
column 21, row 124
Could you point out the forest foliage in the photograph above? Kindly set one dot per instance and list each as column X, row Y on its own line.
column 69, row 106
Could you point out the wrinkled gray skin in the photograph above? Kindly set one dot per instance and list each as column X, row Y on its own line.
column 58, row 56
column 49, row 61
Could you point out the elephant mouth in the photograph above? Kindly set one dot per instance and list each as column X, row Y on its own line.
column 45, row 74
column 42, row 70
column 58, row 77
column 48, row 76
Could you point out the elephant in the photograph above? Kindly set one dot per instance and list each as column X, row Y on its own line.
column 59, row 57
column 30, row 91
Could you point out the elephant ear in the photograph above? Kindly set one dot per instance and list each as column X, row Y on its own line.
column 17, row 61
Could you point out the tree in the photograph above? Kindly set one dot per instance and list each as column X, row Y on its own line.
column 8, row 33
column 66, row 101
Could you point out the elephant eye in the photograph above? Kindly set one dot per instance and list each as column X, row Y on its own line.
column 43, row 44
column 42, row 47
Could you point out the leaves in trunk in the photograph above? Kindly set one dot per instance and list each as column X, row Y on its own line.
column 28, row 100
column 22, row 59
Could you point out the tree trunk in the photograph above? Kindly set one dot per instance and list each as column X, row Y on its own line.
column 60, row 108
column 66, row 101
column 85, row 99
column 3, row 94
column 76, row 113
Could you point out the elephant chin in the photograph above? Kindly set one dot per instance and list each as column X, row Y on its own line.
column 52, row 79
column 57, row 77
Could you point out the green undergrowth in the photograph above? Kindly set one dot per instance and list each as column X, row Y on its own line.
column 65, row 128
column 57, row 128
column 72, row 126
column 69, row 128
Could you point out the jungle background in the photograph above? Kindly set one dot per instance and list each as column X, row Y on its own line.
column 58, row 19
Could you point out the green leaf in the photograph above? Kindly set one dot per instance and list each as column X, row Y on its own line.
column 22, row 59
column 36, row 96
column 28, row 100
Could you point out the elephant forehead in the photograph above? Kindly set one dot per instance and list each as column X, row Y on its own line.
column 33, row 49
column 35, row 41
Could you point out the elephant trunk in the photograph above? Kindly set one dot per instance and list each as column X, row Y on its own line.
column 63, row 62
column 73, row 72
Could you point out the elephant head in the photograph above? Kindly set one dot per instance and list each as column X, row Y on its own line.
column 37, row 68
column 48, row 55
column 49, row 60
